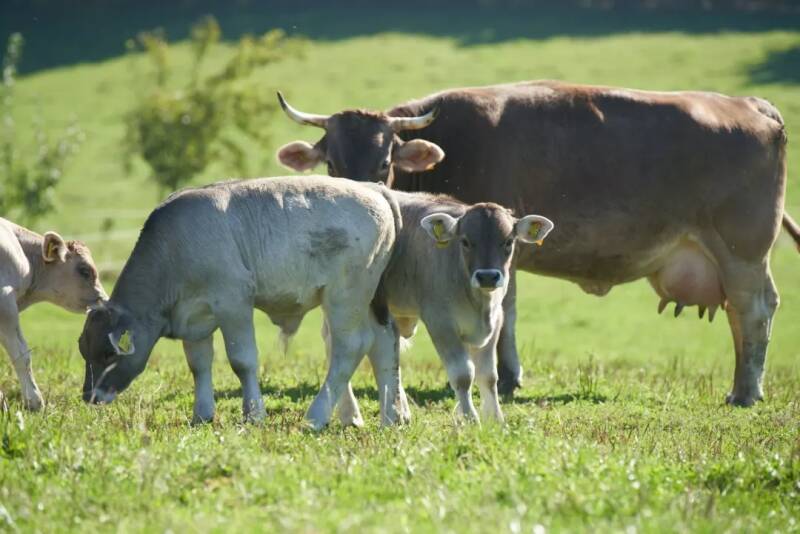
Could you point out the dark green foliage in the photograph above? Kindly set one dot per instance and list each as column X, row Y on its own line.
column 28, row 173
column 180, row 132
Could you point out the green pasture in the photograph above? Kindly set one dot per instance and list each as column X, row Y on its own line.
column 620, row 424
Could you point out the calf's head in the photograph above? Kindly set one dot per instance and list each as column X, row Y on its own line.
column 486, row 235
column 360, row 145
column 108, row 346
column 69, row 277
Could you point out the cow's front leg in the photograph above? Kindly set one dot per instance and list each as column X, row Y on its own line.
column 240, row 345
column 485, row 360
column 12, row 340
column 509, row 370
column 460, row 370
column 200, row 356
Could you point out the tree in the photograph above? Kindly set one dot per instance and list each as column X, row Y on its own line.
column 28, row 174
column 179, row 132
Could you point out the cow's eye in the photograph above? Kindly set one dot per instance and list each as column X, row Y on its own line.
column 465, row 243
column 509, row 243
column 385, row 165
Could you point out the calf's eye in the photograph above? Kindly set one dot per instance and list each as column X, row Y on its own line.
column 85, row 272
column 465, row 242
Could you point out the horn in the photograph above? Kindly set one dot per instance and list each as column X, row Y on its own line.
column 413, row 123
column 306, row 119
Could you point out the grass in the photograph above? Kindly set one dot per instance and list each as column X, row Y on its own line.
column 620, row 424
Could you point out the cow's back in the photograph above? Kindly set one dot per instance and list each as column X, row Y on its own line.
column 620, row 171
column 276, row 241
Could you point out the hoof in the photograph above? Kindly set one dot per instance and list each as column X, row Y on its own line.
column 255, row 417
column 34, row 404
column 202, row 419
column 506, row 387
column 742, row 401
column 357, row 422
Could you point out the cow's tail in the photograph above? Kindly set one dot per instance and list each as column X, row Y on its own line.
column 792, row 228
column 380, row 302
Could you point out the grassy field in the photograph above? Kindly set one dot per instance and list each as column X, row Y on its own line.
column 620, row 425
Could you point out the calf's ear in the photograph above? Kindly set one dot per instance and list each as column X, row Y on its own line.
column 54, row 248
column 441, row 227
column 533, row 228
column 300, row 156
column 417, row 155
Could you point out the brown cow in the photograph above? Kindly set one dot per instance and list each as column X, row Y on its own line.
column 685, row 188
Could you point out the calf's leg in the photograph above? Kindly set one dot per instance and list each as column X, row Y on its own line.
column 349, row 412
column 460, row 370
column 12, row 340
column 200, row 356
column 509, row 369
column 384, row 355
column 347, row 348
column 240, row 344
column 485, row 360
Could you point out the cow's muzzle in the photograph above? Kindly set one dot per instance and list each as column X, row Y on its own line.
column 487, row 279
column 99, row 396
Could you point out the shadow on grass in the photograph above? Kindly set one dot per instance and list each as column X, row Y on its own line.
column 781, row 66
column 306, row 391
column 97, row 31
column 561, row 399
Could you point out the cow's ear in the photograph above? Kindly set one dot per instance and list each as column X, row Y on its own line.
column 417, row 155
column 441, row 227
column 300, row 156
column 122, row 341
column 533, row 228
column 54, row 248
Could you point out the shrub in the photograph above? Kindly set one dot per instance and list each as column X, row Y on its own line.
column 179, row 132
column 28, row 174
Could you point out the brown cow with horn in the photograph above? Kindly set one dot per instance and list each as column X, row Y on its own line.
column 684, row 188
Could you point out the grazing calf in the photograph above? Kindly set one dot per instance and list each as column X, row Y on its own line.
column 35, row 268
column 207, row 257
column 450, row 267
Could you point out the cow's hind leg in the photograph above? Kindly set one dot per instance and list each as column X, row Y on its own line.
column 200, row 356
column 349, row 412
column 509, row 370
column 12, row 340
column 384, row 356
column 240, row 345
column 752, row 301
column 350, row 338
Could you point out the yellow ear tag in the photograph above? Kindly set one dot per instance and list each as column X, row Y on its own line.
column 533, row 231
column 124, row 343
column 52, row 249
column 438, row 231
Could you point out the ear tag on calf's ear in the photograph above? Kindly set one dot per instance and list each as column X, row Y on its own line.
column 533, row 231
column 52, row 249
column 438, row 230
column 125, row 344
